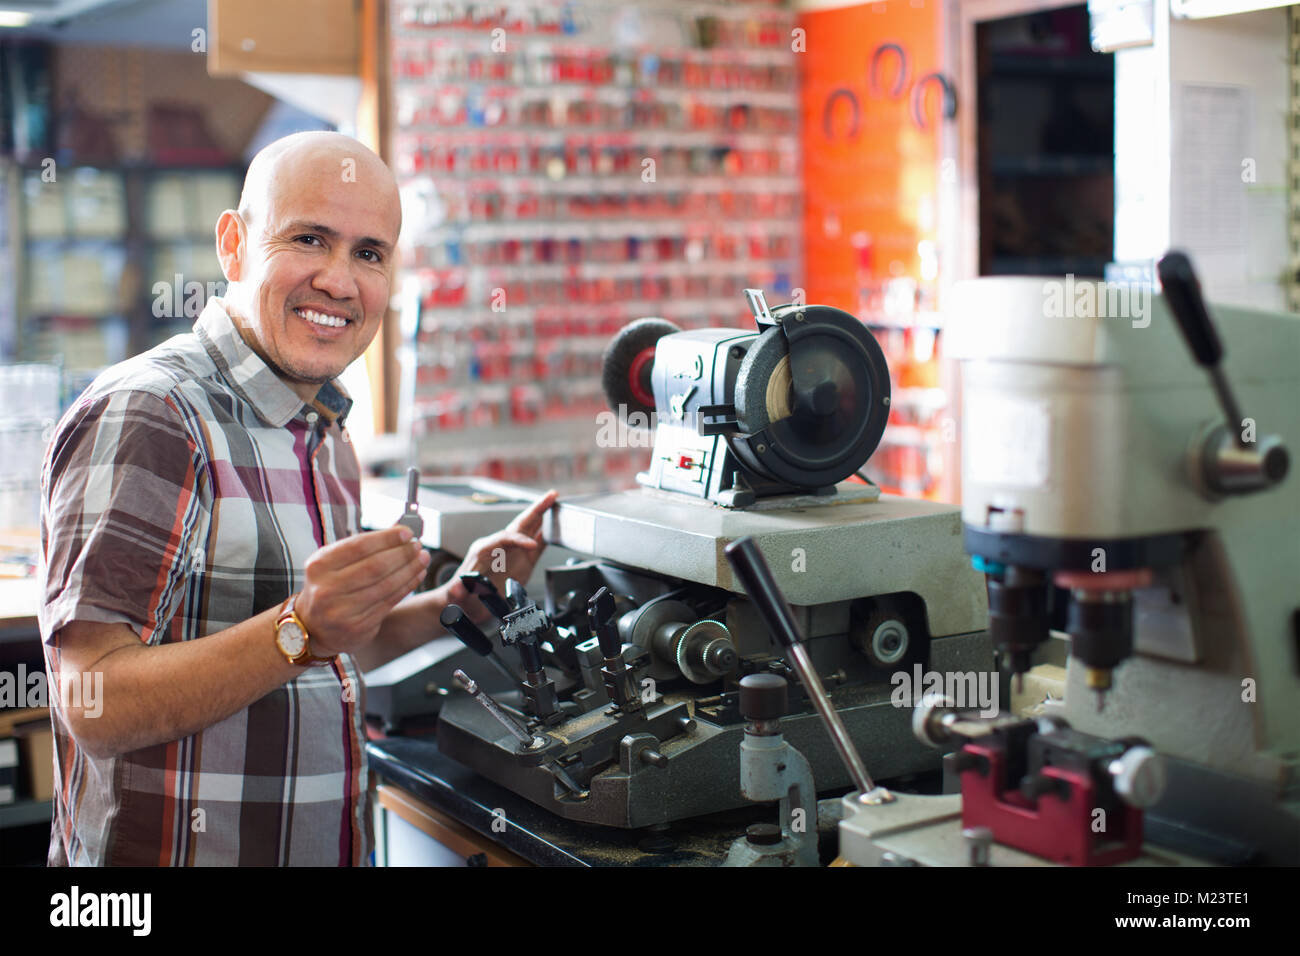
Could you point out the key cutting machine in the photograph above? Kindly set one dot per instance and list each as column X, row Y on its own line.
column 627, row 710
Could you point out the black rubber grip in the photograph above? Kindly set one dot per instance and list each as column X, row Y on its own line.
column 483, row 589
column 1182, row 291
column 454, row 620
column 747, row 561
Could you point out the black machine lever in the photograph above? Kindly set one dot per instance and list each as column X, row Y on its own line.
column 483, row 589
column 1229, row 463
column 525, row 626
column 618, row 679
column 748, row 563
column 454, row 619
column 600, row 612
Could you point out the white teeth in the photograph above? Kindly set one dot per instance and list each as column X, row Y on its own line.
column 319, row 318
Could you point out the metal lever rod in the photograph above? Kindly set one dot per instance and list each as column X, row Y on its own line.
column 752, row 569
column 517, row 730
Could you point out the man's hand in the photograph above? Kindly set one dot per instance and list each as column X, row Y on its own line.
column 352, row 584
column 511, row 553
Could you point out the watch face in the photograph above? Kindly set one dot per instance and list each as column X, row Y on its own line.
column 291, row 639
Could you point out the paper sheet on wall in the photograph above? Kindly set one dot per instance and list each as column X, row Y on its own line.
column 1209, row 194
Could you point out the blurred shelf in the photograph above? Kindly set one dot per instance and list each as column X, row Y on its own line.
column 26, row 813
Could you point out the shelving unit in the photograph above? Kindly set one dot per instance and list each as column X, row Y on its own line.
column 91, row 246
column 566, row 170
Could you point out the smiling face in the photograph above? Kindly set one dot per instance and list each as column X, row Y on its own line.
column 310, row 254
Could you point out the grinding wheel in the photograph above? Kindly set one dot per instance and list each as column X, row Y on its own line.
column 627, row 364
column 812, row 395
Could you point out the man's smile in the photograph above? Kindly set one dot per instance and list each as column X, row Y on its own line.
column 324, row 318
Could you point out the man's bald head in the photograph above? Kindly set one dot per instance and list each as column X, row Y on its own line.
column 310, row 254
column 338, row 157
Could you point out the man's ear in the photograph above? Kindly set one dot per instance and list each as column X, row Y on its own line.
column 232, row 239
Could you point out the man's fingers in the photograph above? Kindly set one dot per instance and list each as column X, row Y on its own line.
column 358, row 547
column 529, row 521
column 373, row 569
column 520, row 539
column 390, row 592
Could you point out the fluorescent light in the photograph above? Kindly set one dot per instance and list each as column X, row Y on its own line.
column 15, row 18
column 1196, row 9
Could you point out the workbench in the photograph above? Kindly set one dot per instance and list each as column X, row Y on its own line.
column 481, row 823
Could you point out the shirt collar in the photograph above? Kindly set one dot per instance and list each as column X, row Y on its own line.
column 256, row 382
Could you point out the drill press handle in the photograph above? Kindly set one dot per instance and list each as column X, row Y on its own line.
column 1228, row 463
column 1182, row 291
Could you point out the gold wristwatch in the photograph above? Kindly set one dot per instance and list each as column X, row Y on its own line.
column 293, row 640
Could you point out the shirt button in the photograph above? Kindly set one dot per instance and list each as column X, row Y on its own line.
column 311, row 418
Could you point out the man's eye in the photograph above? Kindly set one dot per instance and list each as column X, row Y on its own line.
column 309, row 239
column 374, row 256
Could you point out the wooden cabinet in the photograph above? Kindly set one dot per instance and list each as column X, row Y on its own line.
column 308, row 36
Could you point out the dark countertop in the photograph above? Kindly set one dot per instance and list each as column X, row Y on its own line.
column 414, row 764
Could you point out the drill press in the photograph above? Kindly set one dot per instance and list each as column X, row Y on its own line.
column 1099, row 459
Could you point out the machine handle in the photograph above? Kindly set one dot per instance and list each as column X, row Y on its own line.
column 1182, row 291
column 454, row 619
column 516, row 594
column 748, row 563
column 600, row 612
column 1229, row 464
column 483, row 589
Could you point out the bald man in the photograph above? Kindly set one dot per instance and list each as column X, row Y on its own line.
column 209, row 601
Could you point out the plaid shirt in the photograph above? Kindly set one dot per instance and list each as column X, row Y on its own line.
column 182, row 494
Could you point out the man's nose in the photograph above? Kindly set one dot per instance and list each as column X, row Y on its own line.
column 335, row 277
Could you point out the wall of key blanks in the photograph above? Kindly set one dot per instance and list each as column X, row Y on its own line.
column 567, row 168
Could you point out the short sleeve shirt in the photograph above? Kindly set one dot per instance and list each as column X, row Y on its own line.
column 182, row 494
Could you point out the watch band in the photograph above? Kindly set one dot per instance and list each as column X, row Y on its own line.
column 305, row 658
